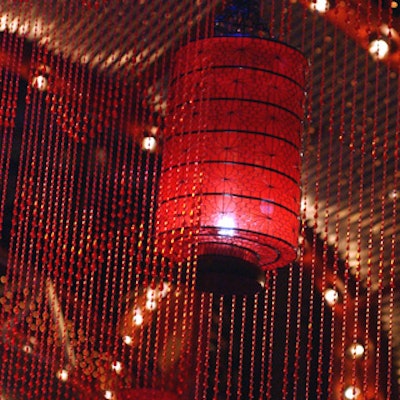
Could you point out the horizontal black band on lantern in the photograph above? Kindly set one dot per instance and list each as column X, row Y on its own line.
column 240, row 67
column 239, row 196
column 224, row 162
column 258, row 133
column 238, row 237
column 210, row 246
column 242, row 100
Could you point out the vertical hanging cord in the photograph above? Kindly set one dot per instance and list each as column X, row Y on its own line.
column 356, row 266
column 394, row 246
column 241, row 349
column 232, row 331
column 392, row 242
column 367, row 340
column 44, row 267
column 264, row 339
column 218, row 371
column 9, row 96
column 342, row 138
column 305, row 145
column 382, row 243
column 379, row 269
column 272, row 16
column 328, row 216
column 209, row 315
column 285, row 371
column 320, row 155
column 312, row 277
column 254, row 332
column 21, row 265
column 6, row 143
column 271, row 277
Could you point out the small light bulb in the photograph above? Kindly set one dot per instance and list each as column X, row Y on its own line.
column 151, row 294
column 394, row 194
column 149, row 143
column 62, row 375
column 108, row 394
column 331, row 296
column 116, row 366
column 40, row 83
column 165, row 289
column 3, row 23
column 27, row 349
column 151, row 305
column 356, row 350
column 379, row 48
column 351, row 392
column 127, row 340
column 13, row 25
column 23, row 29
column 137, row 318
column 320, row 6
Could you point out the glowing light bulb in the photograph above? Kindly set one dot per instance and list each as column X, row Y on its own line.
column 108, row 394
column 149, row 143
column 127, row 340
column 13, row 25
column 227, row 225
column 62, row 375
column 320, row 6
column 151, row 305
column 137, row 318
column 3, row 23
column 331, row 296
column 379, row 48
column 116, row 366
column 23, row 29
column 27, row 349
column 351, row 392
column 40, row 82
column 394, row 194
column 151, row 294
column 356, row 350
column 165, row 289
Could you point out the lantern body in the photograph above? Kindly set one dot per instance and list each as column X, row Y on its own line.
column 231, row 162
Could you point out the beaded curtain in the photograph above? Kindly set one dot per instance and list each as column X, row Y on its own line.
column 93, row 307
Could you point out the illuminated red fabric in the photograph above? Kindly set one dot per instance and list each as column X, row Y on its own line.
column 232, row 150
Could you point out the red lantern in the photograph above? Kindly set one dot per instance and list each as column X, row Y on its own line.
column 231, row 164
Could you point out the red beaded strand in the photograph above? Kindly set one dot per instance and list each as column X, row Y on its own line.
column 200, row 353
column 382, row 227
column 271, row 277
column 218, row 349
column 264, row 340
column 206, row 372
column 230, row 350
column 254, row 331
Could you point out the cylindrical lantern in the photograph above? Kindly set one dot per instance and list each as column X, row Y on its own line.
column 231, row 161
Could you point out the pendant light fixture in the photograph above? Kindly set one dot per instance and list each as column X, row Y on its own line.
column 230, row 182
